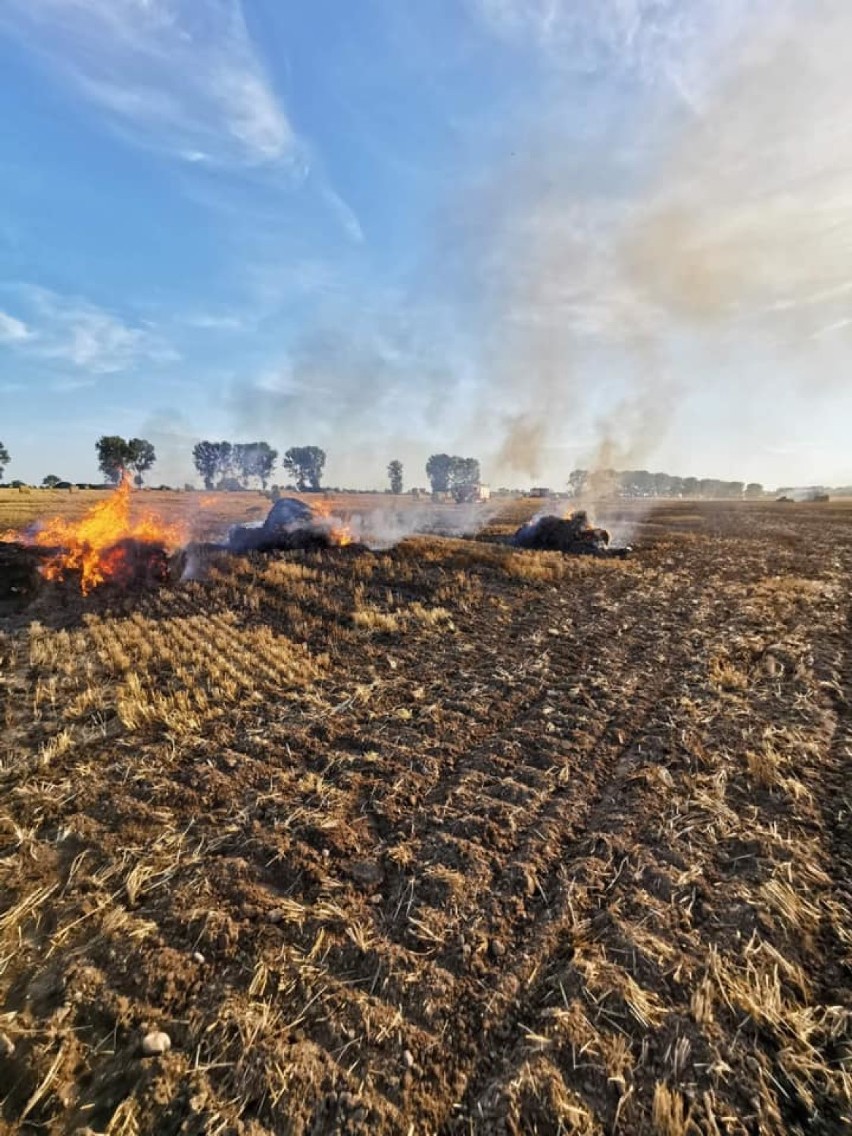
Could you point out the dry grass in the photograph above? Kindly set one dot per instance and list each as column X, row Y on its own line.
column 443, row 836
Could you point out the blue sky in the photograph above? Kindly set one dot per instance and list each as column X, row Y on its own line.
column 542, row 232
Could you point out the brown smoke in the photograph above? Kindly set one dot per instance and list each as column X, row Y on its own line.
column 741, row 235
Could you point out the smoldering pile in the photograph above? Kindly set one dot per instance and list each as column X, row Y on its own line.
column 289, row 525
column 573, row 535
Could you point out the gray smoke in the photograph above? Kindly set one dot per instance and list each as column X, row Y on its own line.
column 618, row 271
column 386, row 526
column 739, row 235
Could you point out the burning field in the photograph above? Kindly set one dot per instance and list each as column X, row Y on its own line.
column 451, row 836
column 112, row 544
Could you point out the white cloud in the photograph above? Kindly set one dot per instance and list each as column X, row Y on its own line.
column 80, row 334
column 12, row 330
column 659, row 41
column 217, row 321
column 344, row 214
column 175, row 75
column 97, row 341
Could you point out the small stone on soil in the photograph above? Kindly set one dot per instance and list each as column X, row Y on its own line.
column 497, row 948
column 407, row 1058
column 367, row 872
column 199, row 958
column 156, row 1044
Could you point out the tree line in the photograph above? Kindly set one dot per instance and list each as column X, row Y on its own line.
column 235, row 465
column 642, row 483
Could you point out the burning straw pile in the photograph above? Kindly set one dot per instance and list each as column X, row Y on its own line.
column 573, row 535
column 290, row 524
column 106, row 545
column 109, row 546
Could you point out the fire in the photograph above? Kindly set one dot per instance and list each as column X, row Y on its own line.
column 339, row 532
column 341, row 535
column 96, row 545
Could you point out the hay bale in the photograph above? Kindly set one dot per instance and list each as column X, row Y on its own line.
column 573, row 535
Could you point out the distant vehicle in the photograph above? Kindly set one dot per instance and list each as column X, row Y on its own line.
column 541, row 491
column 466, row 494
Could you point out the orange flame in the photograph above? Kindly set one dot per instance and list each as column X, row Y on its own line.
column 339, row 532
column 341, row 535
column 92, row 545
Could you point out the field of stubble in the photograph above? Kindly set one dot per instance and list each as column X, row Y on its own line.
column 441, row 839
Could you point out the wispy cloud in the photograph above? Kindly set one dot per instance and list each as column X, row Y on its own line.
column 217, row 321
column 80, row 334
column 174, row 75
column 555, row 22
column 344, row 214
column 12, row 330
column 656, row 41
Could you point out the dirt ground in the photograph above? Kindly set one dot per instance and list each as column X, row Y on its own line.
column 447, row 838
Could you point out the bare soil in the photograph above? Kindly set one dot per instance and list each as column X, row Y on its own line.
column 451, row 838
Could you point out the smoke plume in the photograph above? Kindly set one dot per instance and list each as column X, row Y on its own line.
column 656, row 262
column 729, row 224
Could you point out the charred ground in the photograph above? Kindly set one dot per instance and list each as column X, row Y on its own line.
column 448, row 838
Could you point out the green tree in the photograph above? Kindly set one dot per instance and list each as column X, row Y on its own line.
column 306, row 464
column 395, row 476
column 205, row 457
column 212, row 460
column 225, row 466
column 255, row 459
column 113, row 453
column 51, row 481
column 141, row 455
column 438, row 470
column 241, row 462
column 464, row 478
column 4, row 458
